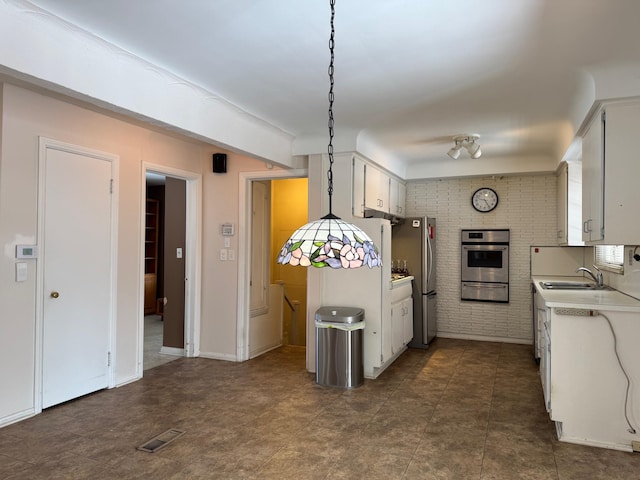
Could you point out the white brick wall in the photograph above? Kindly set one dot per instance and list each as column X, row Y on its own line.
column 527, row 206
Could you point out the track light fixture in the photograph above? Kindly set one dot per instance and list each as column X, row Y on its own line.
column 469, row 143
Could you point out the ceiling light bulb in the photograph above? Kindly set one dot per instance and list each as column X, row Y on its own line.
column 474, row 149
column 454, row 152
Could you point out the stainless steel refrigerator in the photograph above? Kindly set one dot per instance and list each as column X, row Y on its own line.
column 414, row 240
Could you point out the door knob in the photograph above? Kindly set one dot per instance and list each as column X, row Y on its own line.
column 55, row 294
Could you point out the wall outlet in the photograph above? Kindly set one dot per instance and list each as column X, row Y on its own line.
column 575, row 312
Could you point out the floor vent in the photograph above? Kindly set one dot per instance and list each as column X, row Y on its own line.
column 159, row 441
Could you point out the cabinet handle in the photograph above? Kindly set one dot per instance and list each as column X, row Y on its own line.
column 587, row 226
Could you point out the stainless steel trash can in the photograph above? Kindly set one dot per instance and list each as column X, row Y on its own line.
column 339, row 352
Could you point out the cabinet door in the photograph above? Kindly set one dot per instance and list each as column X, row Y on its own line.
column 402, row 200
column 545, row 358
column 376, row 192
column 397, row 335
column 398, row 196
column 408, row 320
column 592, row 182
column 563, row 202
column 621, row 172
column 358, row 188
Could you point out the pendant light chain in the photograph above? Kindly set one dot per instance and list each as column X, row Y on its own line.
column 331, row 97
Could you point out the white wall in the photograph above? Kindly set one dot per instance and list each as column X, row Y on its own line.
column 527, row 206
column 27, row 115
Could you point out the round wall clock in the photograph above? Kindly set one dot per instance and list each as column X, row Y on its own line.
column 484, row 199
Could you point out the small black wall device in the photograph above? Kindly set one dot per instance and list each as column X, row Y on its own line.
column 219, row 163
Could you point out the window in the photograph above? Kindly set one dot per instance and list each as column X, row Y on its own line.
column 609, row 258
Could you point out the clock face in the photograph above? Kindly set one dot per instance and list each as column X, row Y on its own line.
column 484, row 199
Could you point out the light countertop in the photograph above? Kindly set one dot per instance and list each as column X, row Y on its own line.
column 401, row 281
column 612, row 300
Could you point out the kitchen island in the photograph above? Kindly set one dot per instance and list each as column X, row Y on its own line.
column 590, row 363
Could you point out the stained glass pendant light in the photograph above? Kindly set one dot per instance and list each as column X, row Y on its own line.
column 330, row 241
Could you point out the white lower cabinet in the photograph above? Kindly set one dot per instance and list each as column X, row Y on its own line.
column 408, row 321
column 401, row 316
column 586, row 356
column 543, row 331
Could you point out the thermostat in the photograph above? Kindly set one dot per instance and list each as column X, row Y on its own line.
column 26, row 251
column 227, row 229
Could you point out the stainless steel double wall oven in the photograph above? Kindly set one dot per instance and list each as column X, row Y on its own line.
column 485, row 265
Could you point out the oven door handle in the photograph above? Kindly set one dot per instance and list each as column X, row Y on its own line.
column 485, row 285
column 484, row 247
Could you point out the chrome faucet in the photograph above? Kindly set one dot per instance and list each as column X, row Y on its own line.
column 598, row 279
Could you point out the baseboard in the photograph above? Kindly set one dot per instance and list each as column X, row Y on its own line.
column 126, row 380
column 17, row 417
column 264, row 350
column 372, row 375
column 484, row 338
column 176, row 352
column 219, row 356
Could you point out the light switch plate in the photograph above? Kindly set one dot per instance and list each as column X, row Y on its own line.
column 21, row 271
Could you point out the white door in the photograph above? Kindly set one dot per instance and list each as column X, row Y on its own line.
column 76, row 255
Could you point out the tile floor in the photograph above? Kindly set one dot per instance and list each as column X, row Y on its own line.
column 460, row 410
column 153, row 343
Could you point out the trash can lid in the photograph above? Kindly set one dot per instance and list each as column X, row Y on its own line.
column 340, row 314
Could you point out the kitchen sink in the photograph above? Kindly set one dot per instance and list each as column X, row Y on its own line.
column 572, row 286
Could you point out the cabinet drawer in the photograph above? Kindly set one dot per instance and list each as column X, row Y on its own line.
column 401, row 292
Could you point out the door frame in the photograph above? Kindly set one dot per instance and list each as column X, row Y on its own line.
column 193, row 264
column 244, row 250
column 44, row 144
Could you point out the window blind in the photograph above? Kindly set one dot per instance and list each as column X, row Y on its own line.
column 609, row 257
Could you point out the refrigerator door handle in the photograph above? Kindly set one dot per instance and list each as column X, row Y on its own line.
column 430, row 252
column 425, row 336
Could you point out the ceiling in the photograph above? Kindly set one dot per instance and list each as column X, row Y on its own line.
column 409, row 75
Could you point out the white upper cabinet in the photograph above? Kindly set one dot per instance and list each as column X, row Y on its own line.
column 357, row 188
column 610, row 170
column 563, row 204
column 592, row 180
column 398, row 198
column 376, row 189
column 373, row 189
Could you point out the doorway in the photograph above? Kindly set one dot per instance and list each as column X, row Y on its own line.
column 164, row 269
column 289, row 210
column 245, row 254
column 170, row 322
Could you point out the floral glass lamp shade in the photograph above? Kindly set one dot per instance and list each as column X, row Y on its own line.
column 330, row 242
